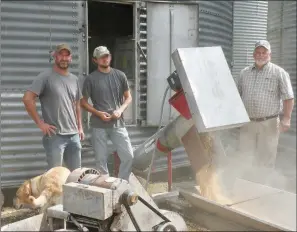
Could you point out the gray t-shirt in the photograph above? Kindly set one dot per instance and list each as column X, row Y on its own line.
column 58, row 96
column 106, row 91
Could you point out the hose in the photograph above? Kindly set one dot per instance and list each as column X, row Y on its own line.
column 159, row 128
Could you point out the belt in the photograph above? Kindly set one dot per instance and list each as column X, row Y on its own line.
column 263, row 119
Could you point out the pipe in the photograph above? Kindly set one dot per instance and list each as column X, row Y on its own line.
column 169, row 137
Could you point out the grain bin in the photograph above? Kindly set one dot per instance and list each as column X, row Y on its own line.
column 282, row 35
column 215, row 25
column 249, row 25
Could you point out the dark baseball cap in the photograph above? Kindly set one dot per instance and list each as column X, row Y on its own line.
column 63, row 46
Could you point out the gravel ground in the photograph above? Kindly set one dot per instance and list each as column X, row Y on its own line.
column 193, row 227
column 10, row 215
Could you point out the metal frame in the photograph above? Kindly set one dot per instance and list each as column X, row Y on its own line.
column 171, row 2
column 136, row 67
column 0, row 125
column 85, row 51
column 127, row 2
column 136, row 4
column 153, row 1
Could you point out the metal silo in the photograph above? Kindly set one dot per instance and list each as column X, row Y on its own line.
column 249, row 25
column 215, row 25
column 29, row 30
column 282, row 35
column 274, row 29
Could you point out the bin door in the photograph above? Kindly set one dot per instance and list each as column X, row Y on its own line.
column 169, row 26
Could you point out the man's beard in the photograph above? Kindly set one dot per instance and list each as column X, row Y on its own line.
column 261, row 62
column 63, row 65
column 104, row 65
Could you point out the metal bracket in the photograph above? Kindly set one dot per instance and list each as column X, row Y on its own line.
column 50, row 56
column 141, row 51
column 79, row 226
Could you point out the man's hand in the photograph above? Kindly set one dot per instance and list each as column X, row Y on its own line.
column 46, row 128
column 81, row 134
column 285, row 124
column 106, row 117
column 116, row 114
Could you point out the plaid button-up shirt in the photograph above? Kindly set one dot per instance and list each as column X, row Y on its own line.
column 262, row 91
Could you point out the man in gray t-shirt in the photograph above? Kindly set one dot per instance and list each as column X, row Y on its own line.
column 59, row 94
column 109, row 91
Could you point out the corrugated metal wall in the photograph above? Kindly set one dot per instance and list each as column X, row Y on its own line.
column 289, row 48
column 274, row 29
column 282, row 35
column 215, row 25
column 28, row 29
column 249, row 25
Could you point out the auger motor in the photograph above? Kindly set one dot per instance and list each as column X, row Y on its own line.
column 95, row 202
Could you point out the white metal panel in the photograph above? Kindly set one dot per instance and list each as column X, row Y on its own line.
column 168, row 27
column 29, row 31
column 249, row 25
column 210, row 90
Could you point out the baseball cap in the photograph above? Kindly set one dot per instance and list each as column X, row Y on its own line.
column 263, row 43
column 62, row 46
column 100, row 51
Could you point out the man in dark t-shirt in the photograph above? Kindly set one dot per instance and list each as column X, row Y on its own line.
column 109, row 92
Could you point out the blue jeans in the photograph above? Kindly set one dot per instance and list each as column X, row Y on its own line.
column 120, row 139
column 58, row 147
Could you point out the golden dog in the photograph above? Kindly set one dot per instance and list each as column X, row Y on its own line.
column 42, row 191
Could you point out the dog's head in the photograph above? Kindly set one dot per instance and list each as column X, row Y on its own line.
column 23, row 198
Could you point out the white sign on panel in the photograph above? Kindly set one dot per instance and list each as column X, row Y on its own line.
column 211, row 92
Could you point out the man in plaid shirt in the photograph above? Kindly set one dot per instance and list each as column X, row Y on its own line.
column 266, row 91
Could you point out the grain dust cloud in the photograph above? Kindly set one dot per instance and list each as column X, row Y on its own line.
column 217, row 179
